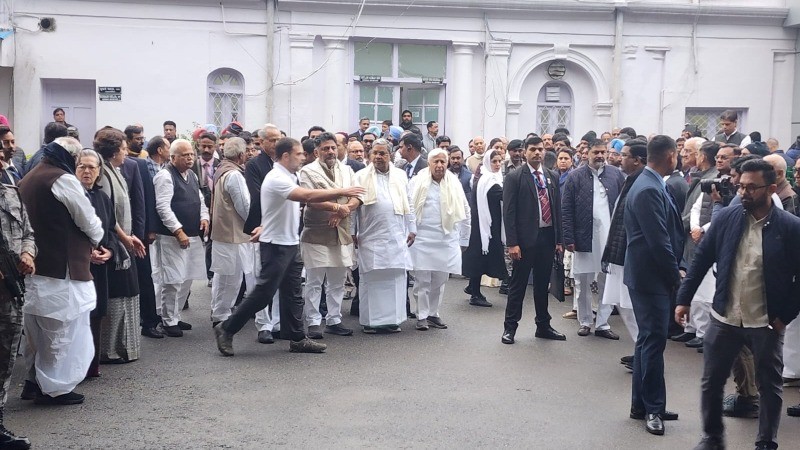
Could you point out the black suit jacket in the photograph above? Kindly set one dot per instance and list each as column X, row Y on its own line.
column 521, row 206
column 355, row 165
column 131, row 173
column 254, row 172
column 151, row 216
column 422, row 163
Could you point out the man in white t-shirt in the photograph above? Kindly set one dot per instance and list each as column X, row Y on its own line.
column 279, row 240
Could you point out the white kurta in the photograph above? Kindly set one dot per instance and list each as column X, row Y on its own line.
column 383, row 258
column 591, row 262
column 318, row 256
column 433, row 249
column 382, row 234
column 615, row 292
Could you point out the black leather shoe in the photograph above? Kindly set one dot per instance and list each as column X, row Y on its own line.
column 695, row 343
column 793, row 411
column 265, row 337
column 479, row 301
column 711, row 443
column 184, row 326
column 152, row 333
column 761, row 445
column 547, row 332
column 314, row 333
column 626, row 360
column 172, row 331
column 654, row 424
column 684, row 337
column 608, row 334
column 467, row 290
column 338, row 330
column 30, row 390
column 70, row 398
column 508, row 337
column 640, row 415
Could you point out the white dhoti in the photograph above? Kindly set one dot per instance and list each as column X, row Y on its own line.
column 229, row 262
column 177, row 268
column 616, row 293
column 428, row 291
column 382, row 297
column 334, row 278
column 700, row 313
column 59, row 351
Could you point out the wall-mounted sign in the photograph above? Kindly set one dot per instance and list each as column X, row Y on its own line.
column 556, row 70
column 110, row 93
column 369, row 78
column 433, row 80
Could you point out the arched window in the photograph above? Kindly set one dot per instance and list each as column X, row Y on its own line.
column 554, row 108
column 225, row 97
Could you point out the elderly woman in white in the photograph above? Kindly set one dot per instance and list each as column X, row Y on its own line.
column 443, row 226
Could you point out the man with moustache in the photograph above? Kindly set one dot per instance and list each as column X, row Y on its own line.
column 457, row 167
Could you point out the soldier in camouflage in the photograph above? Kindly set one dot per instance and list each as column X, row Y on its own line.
column 17, row 245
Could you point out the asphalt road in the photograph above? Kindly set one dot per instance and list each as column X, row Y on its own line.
column 455, row 388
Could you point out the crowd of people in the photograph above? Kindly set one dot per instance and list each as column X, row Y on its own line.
column 689, row 239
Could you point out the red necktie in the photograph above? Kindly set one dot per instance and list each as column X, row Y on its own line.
column 541, row 189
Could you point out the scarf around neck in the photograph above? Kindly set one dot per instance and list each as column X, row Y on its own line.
column 451, row 198
column 398, row 183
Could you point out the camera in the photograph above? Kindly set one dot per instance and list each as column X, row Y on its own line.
column 723, row 184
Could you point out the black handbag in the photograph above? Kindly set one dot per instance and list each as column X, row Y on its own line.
column 557, row 277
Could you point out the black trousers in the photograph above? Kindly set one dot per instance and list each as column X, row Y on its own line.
column 281, row 268
column 721, row 345
column 207, row 244
column 648, row 390
column 538, row 258
column 148, row 317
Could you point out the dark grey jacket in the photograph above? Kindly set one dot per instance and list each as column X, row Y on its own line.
column 577, row 202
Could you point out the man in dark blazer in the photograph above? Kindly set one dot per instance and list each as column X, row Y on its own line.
column 149, row 318
column 254, row 172
column 411, row 152
column 655, row 247
column 532, row 219
column 755, row 246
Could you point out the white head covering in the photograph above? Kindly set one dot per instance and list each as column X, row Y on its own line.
column 486, row 181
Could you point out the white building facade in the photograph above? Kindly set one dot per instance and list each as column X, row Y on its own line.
column 489, row 67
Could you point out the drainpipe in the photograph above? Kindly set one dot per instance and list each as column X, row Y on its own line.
column 616, row 83
column 270, row 59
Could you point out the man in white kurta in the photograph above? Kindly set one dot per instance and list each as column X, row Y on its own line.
column 326, row 245
column 587, row 265
column 180, row 255
column 443, row 227
column 385, row 226
column 61, row 293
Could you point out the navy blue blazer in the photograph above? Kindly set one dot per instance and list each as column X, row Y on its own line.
column 355, row 165
column 780, row 245
column 655, row 237
column 149, row 190
column 132, row 174
column 254, row 173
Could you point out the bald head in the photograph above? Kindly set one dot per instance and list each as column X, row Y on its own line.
column 779, row 164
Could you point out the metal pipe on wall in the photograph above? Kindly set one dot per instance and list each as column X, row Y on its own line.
column 617, row 82
column 270, row 101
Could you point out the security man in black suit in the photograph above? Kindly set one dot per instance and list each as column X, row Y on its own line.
column 254, row 172
column 532, row 218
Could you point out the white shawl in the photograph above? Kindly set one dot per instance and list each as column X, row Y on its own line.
column 398, row 185
column 485, row 182
column 451, row 198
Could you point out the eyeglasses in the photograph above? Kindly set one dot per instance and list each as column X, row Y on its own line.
column 86, row 167
column 750, row 189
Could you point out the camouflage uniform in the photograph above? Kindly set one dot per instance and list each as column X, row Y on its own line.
column 18, row 232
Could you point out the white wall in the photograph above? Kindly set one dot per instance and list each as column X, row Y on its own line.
column 161, row 53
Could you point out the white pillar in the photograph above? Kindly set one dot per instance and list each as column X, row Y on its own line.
column 496, row 90
column 301, row 93
column 334, row 116
column 462, row 94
